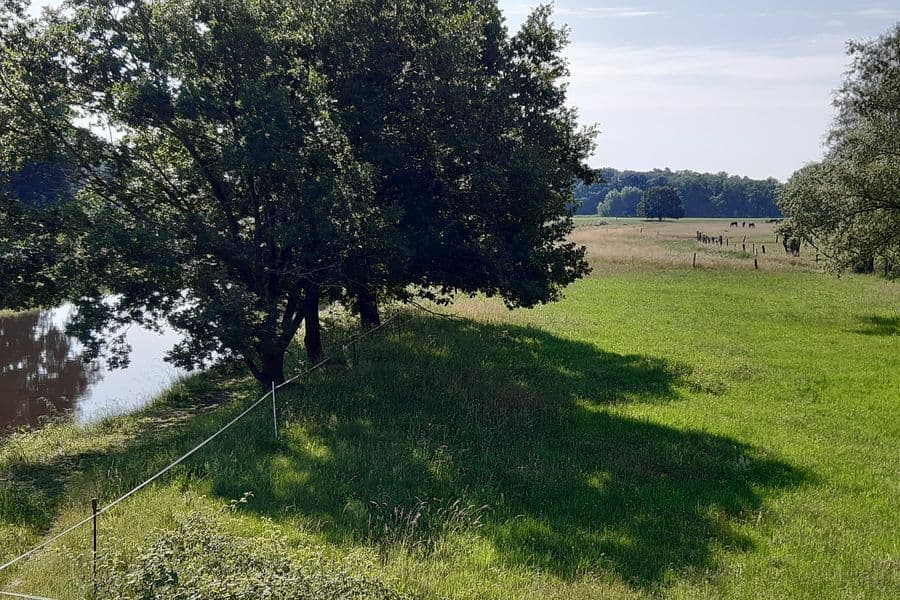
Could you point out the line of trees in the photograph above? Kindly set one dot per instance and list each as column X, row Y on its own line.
column 240, row 163
column 704, row 194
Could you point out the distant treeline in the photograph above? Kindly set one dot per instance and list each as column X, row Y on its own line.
column 704, row 194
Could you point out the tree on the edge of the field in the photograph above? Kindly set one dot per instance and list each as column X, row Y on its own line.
column 476, row 151
column 848, row 205
column 221, row 186
column 661, row 202
column 621, row 203
column 216, row 190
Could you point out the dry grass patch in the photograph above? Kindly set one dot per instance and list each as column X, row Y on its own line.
column 671, row 245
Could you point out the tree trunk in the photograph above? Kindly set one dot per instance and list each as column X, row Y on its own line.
column 273, row 368
column 270, row 368
column 864, row 265
column 367, row 306
column 313, row 338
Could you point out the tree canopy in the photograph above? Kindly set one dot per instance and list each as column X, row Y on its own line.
column 621, row 203
column 705, row 195
column 237, row 162
column 848, row 205
column 662, row 202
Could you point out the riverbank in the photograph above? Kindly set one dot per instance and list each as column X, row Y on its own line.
column 711, row 433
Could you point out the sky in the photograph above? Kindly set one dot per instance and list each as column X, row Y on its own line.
column 711, row 85
column 743, row 86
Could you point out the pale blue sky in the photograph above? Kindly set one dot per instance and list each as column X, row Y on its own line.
column 709, row 85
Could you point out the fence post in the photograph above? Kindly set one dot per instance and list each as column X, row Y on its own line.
column 94, row 553
column 274, row 411
column 756, row 263
column 695, row 260
column 764, row 248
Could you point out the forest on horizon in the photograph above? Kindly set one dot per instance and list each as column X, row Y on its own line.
column 705, row 195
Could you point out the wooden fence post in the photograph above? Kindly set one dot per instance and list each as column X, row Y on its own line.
column 274, row 411
column 94, row 554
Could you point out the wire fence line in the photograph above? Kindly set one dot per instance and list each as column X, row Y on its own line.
column 27, row 596
column 348, row 344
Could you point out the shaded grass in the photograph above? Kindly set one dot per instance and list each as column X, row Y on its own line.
column 876, row 325
column 679, row 433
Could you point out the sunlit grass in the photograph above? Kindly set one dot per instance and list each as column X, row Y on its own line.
column 708, row 433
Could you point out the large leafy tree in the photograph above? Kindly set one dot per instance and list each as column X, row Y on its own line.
column 621, row 203
column 661, row 202
column 848, row 205
column 476, row 151
column 239, row 160
column 223, row 197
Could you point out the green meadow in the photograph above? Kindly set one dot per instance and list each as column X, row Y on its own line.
column 718, row 432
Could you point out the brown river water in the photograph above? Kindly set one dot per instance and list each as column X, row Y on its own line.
column 43, row 376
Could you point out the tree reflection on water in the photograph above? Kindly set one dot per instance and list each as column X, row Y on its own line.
column 41, row 370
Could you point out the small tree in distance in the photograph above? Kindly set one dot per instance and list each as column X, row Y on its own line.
column 660, row 203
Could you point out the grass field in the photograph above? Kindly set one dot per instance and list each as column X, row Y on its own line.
column 719, row 432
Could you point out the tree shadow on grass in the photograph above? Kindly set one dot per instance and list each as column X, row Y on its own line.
column 458, row 429
column 507, row 432
column 879, row 326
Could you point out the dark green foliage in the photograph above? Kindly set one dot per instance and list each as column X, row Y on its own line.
column 621, row 203
column 249, row 158
column 475, row 148
column 704, row 194
column 848, row 205
column 661, row 203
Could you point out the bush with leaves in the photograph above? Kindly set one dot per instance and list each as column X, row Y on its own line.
column 198, row 561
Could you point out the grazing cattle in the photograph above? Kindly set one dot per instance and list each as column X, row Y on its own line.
column 752, row 225
column 743, row 223
column 789, row 239
column 734, row 224
column 792, row 246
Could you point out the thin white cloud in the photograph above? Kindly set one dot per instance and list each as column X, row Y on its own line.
column 879, row 13
column 594, row 12
column 709, row 108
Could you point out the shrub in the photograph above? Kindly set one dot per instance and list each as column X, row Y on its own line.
column 196, row 562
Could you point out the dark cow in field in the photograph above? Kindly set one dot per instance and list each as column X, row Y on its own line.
column 734, row 224
column 789, row 239
column 752, row 225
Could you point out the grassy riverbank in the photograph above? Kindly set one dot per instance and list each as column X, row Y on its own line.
column 708, row 433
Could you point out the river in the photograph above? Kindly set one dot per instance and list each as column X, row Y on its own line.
column 43, row 376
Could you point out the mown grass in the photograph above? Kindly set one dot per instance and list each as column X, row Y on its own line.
column 662, row 431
